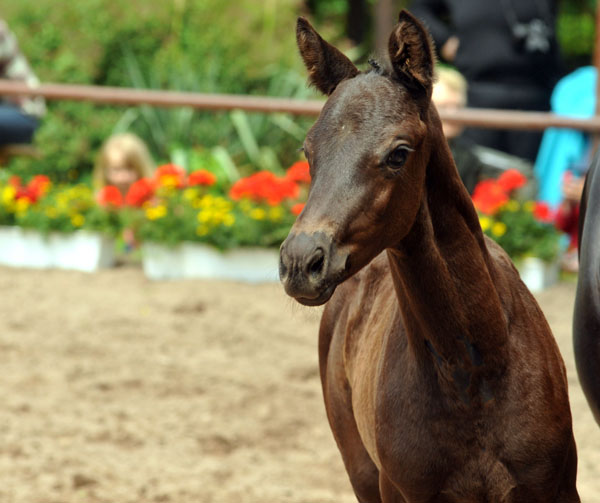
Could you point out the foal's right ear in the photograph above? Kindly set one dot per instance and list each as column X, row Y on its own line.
column 412, row 54
column 326, row 65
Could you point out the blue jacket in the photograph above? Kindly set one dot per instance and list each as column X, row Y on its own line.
column 564, row 149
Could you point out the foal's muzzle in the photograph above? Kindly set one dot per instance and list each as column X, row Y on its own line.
column 311, row 266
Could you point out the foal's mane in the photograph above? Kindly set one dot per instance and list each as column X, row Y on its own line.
column 384, row 69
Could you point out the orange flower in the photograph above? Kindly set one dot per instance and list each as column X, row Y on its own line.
column 140, row 192
column 39, row 185
column 299, row 172
column 201, row 177
column 170, row 175
column 297, row 208
column 511, row 179
column 264, row 186
column 489, row 196
column 110, row 196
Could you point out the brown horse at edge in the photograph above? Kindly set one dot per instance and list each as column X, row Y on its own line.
column 441, row 378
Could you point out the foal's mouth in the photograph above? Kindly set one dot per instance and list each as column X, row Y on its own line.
column 321, row 298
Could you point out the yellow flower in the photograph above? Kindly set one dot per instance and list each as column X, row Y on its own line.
column 77, row 220
column 485, row 223
column 275, row 213
column 207, row 201
column 245, row 205
column 511, row 206
column 202, row 230
column 499, row 229
column 51, row 212
column 62, row 201
column 258, row 214
column 169, row 180
column 22, row 205
column 228, row 220
column 8, row 194
column 190, row 194
column 155, row 213
column 204, row 216
column 529, row 206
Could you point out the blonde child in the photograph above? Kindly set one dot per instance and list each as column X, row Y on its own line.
column 123, row 159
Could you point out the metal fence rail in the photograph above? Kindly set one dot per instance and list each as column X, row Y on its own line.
column 486, row 118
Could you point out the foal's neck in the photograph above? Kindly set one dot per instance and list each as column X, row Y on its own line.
column 444, row 276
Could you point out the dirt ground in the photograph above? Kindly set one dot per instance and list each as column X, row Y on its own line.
column 116, row 389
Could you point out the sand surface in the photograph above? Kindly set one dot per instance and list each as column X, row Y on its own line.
column 116, row 389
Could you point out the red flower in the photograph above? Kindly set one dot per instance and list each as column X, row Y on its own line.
column 140, row 192
column 511, row 179
column 489, row 196
column 39, row 185
column 202, row 177
column 297, row 208
column 542, row 212
column 264, row 186
column 170, row 175
column 299, row 172
column 26, row 193
column 110, row 196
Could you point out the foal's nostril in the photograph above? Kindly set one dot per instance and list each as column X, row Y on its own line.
column 283, row 270
column 316, row 263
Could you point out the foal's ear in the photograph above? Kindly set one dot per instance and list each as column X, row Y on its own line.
column 412, row 54
column 326, row 65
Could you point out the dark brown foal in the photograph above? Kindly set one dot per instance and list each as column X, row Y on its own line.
column 441, row 377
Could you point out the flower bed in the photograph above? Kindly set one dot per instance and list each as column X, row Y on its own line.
column 195, row 225
column 239, row 227
column 523, row 228
column 45, row 226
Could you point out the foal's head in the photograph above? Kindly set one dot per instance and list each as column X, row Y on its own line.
column 367, row 153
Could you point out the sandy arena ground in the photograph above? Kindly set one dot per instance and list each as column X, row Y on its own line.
column 116, row 389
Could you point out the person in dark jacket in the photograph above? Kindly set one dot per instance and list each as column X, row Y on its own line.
column 19, row 116
column 507, row 51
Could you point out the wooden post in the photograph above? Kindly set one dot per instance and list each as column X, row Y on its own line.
column 385, row 19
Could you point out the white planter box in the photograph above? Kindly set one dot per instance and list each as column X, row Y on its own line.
column 537, row 274
column 193, row 260
column 81, row 250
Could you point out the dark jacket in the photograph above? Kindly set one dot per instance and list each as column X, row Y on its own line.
column 488, row 50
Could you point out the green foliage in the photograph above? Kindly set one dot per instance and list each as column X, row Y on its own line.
column 517, row 230
column 575, row 31
column 190, row 45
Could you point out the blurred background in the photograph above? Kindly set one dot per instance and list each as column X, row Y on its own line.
column 207, row 46
column 120, row 386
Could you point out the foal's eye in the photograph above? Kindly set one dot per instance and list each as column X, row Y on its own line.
column 397, row 157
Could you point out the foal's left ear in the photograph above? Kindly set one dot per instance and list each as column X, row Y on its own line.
column 326, row 65
column 412, row 54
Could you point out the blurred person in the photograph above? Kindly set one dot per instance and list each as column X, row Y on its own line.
column 123, row 159
column 474, row 162
column 567, row 213
column 566, row 150
column 508, row 53
column 450, row 92
column 19, row 116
